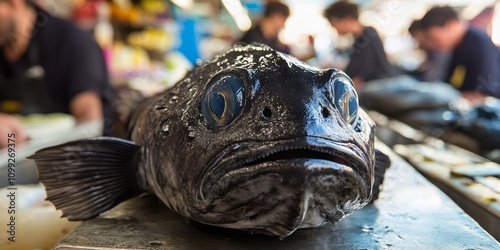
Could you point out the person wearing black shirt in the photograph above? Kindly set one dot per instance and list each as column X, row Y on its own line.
column 474, row 68
column 368, row 60
column 48, row 65
column 435, row 65
column 268, row 28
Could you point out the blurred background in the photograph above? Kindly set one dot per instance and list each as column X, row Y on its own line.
column 156, row 41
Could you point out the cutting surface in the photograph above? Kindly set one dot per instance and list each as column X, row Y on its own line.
column 411, row 213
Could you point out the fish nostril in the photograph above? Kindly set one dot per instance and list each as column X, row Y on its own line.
column 325, row 112
column 266, row 113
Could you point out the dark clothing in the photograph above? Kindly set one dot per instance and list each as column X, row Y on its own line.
column 367, row 57
column 255, row 35
column 27, row 91
column 475, row 64
column 71, row 63
column 436, row 66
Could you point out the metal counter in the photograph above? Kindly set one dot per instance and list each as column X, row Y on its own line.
column 478, row 195
column 411, row 213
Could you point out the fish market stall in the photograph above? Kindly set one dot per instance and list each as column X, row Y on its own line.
column 410, row 214
column 470, row 180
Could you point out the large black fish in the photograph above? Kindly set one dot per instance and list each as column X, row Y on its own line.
column 252, row 139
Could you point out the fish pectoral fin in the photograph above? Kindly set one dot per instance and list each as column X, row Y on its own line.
column 382, row 163
column 84, row 178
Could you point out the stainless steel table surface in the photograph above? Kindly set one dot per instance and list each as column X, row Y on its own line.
column 478, row 196
column 411, row 213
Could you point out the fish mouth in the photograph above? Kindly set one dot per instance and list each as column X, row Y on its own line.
column 280, row 186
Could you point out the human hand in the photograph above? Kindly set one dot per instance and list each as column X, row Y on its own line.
column 8, row 125
column 473, row 97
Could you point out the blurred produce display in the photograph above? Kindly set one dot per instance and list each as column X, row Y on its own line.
column 129, row 59
column 139, row 40
column 152, row 39
column 155, row 7
column 125, row 11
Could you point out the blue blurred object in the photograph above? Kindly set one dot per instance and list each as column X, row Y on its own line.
column 254, row 7
column 189, row 39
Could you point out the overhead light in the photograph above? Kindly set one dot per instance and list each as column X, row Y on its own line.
column 184, row 4
column 239, row 14
column 495, row 34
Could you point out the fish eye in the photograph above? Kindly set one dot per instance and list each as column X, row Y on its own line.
column 223, row 100
column 346, row 99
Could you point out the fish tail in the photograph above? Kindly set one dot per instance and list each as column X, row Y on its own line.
column 84, row 178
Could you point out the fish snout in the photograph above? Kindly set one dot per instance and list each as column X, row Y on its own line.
column 281, row 196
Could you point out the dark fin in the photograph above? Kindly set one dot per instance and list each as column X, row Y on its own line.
column 87, row 177
column 382, row 163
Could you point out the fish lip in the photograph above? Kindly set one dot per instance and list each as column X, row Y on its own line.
column 239, row 155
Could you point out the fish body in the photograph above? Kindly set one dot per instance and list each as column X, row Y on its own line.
column 437, row 108
column 252, row 139
column 401, row 95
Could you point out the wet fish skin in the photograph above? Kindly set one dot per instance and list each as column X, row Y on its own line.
column 288, row 149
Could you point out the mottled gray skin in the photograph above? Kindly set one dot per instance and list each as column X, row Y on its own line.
column 220, row 176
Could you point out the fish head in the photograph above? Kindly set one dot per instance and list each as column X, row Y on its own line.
column 263, row 142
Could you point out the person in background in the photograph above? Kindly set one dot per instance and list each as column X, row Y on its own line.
column 417, row 32
column 434, row 66
column 47, row 65
column 268, row 28
column 368, row 60
column 474, row 67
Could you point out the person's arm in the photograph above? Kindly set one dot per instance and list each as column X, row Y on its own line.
column 86, row 106
column 473, row 96
column 10, row 125
column 85, row 78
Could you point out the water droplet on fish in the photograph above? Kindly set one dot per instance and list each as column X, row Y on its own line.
column 160, row 107
column 166, row 128
column 174, row 99
column 255, row 87
column 192, row 133
column 193, row 90
column 174, row 91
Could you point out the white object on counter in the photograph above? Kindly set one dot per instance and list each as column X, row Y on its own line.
column 46, row 133
column 37, row 222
